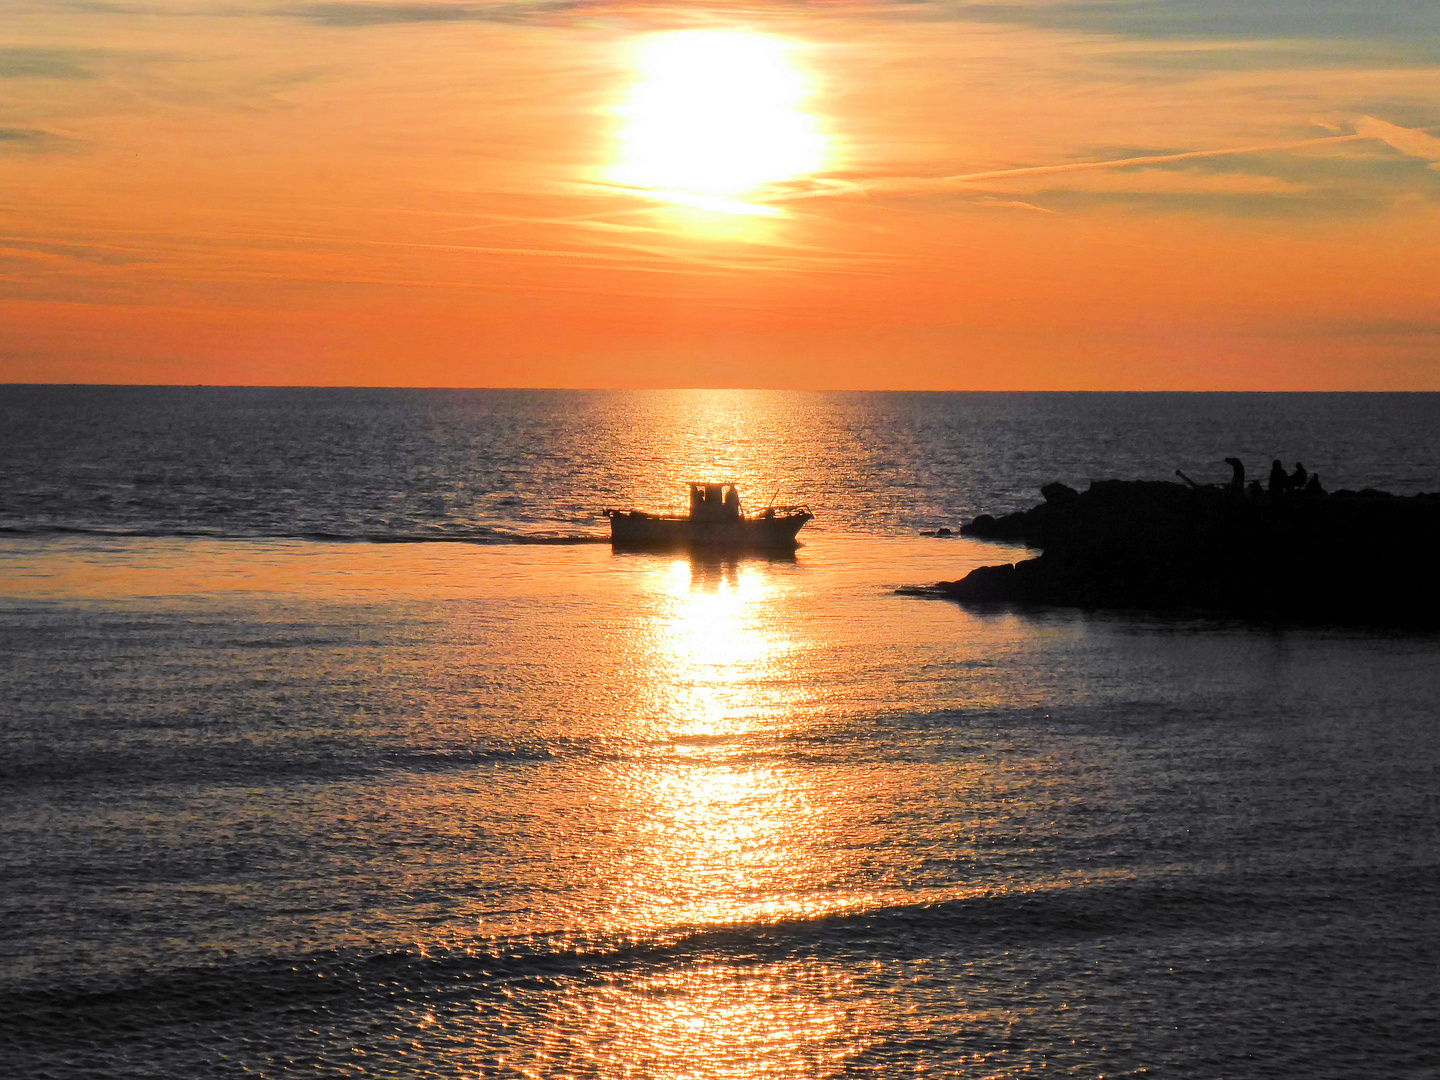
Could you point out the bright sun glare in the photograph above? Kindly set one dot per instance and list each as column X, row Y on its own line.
column 713, row 117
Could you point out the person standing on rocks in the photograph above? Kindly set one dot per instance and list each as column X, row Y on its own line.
column 1237, row 477
column 1278, row 481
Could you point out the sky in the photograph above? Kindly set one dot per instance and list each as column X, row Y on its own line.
column 898, row 194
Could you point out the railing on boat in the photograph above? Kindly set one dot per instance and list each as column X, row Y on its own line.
column 768, row 514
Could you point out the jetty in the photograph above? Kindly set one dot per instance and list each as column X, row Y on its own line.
column 1347, row 557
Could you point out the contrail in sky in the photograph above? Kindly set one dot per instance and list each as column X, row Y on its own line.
column 1411, row 141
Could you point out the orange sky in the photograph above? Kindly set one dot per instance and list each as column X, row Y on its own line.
column 502, row 194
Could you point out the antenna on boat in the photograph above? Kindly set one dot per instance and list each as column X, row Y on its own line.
column 771, row 504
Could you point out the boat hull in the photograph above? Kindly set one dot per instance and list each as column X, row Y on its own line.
column 638, row 530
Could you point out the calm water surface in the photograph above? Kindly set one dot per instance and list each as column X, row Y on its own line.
column 276, row 802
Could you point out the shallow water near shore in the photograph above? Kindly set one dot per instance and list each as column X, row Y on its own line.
column 457, row 809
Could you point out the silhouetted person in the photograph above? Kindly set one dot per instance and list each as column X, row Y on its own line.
column 1278, row 480
column 1313, row 488
column 732, row 502
column 1298, row 478
column 1237, row 477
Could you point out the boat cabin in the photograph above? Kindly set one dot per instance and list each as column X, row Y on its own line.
column 714, row 502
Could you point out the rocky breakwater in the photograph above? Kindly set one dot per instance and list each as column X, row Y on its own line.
column 1349, row 557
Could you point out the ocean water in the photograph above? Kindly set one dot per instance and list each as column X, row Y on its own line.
column 335, row 741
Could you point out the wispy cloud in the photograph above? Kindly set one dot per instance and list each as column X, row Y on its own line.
column 27, row 63
column 1409, row 141
column 33, row 140
column 1012, row 204
column 1367, row 327
column 1203, row 19
column 361, row 13
column 1155, row 181
column 1285, row 25
column 906, row 185
column 1239, row 20
column 102, row 254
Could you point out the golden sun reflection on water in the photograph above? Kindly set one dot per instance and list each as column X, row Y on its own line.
column 714, row 653
column 724, row 844
column 723, row 826
column 722, row 831
column 724, row 1020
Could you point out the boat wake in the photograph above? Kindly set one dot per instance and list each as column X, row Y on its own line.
column 447, row 536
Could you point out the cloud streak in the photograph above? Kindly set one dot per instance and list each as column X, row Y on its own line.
column 17, row 62
column 356, row 14
column 1207, row 19
column 33, row 140
column 1156, row 20
column 1410, row 141
column 917, row 185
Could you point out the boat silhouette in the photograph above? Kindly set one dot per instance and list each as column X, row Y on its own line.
column 715, row 520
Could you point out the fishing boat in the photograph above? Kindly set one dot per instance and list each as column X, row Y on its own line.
column 715, row 520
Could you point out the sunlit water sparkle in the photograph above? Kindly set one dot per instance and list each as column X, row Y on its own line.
column 282, row 804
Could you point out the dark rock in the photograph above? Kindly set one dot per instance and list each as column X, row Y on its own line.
column 981, row 526
column 928, row 592
column 985, row 584
column 942, row 531
column 1366, row 557
column 1059, row 493
column 1009, row 527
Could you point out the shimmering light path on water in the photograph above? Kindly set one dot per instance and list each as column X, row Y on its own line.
column 456, row 810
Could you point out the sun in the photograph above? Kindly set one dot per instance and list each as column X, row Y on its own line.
column 713, row 117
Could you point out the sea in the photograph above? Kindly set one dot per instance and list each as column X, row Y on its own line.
column 336, row 741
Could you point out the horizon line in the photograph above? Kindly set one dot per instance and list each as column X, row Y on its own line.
column 685, row 389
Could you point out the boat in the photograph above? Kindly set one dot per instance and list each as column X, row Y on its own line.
column 715, row 520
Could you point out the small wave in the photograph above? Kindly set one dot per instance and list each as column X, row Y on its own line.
column 140, row 1009
column 204, row 763
column 485, row 536
column 325, row 536
column 1005, row 920
column 443, row 760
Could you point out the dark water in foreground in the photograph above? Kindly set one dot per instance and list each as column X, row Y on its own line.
column 280, row 804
